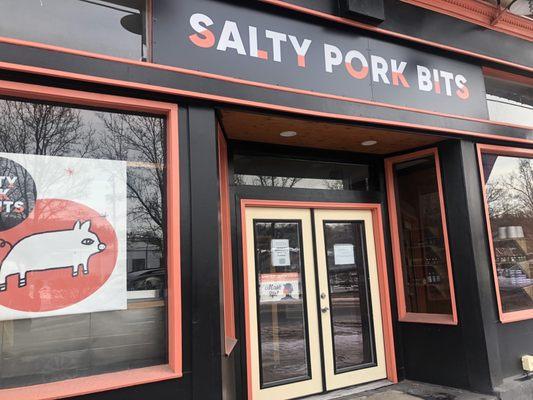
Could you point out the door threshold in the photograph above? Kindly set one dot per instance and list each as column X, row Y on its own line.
column 341, row 393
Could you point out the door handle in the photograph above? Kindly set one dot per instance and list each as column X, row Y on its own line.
column 324, row 310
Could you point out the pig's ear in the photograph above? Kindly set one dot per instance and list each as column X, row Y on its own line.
column 77, row 226
column 85, row 226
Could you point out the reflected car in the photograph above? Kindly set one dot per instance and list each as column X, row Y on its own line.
column 148, row 279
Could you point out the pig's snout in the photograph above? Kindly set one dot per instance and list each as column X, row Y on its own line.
column 101, row 247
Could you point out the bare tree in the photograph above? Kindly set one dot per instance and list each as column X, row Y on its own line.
column 139, row 139
column 521, row 184
column 43, row 129
column 500, row 200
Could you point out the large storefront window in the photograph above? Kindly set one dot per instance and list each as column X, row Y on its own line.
column 122, row 24
column 83, row 271
column 509, row 101
column 421, row 255
column 508, row 181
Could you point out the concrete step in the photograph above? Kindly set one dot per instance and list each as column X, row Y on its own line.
column 516, row 388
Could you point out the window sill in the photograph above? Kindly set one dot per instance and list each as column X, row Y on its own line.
column 516, row 316
column 424, row 318
column 90, row 384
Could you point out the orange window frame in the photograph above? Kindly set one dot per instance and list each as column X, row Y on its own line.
column 230, row 338
column 514, row 316
column 173, row 369
column 403, row 314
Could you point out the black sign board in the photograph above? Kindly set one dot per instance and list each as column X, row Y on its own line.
column 241, row 42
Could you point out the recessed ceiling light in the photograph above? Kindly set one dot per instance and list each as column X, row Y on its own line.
column 288, row 133
column 369, row 142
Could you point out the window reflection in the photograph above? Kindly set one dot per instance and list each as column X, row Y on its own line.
column 424, row 264
column 509, row 101
column 509, row 192
column 121, row 24
column 299, row 174
column 349, row 294
column 85, row 344
column 281, row 294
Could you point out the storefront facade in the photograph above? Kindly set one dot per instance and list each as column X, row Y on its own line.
column 209, row 199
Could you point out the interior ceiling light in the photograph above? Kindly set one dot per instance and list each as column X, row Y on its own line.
column 288, row 134
column 369, row 142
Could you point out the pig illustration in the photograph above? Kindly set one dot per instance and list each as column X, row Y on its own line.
column 70, row 248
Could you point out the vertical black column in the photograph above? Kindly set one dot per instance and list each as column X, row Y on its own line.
column 471, row 264
column 206, row 344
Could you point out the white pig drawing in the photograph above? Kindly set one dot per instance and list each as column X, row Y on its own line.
column 51, row 250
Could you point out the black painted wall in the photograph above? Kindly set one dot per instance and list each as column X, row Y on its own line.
column 429, row 25
column 506, row 343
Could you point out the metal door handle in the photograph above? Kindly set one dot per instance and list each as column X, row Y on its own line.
column 325, row 310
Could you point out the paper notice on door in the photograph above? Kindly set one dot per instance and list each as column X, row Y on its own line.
column 343, row 254
column 280, row 251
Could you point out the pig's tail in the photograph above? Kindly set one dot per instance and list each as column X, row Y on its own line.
column 4, row 242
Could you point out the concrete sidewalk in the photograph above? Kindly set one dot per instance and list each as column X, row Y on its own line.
column 408, row 390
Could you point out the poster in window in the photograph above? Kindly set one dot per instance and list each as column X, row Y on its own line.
column 62, row 236
column 279, row 287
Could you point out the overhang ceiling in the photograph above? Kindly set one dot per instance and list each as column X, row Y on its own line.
column 265, row 128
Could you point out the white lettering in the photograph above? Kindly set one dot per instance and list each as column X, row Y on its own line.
column 276, row 38
column 230, row 38
column 332, row 56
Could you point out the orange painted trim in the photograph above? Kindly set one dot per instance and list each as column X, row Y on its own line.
column 507, row 76
column 360, row 25
column 227, row 257
column 505, row 317
column 209, row 75
column 258, row 104
column 481, row 13
column 174, row 368
column 88, row 385
column 379, row 243
column 403, row 314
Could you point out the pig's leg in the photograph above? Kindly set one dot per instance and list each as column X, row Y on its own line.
column 75, row 269
column 22, row 279
column 85, row 268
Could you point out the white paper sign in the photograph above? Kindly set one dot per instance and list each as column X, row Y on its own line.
column 62, row 236
column 343, row 254
column 281, row 252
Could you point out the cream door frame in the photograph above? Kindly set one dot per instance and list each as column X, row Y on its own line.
column 350, row 378
column 297, row 389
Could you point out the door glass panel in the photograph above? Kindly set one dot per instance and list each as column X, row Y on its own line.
column 281, row 302
column 349, row 294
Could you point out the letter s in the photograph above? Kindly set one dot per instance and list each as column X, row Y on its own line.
column 462, row 92
column 204, row 37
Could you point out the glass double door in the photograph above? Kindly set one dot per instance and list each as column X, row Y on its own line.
column 313, row 306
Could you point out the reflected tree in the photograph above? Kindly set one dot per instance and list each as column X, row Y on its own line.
column 43, row 129
column 520, row 183
column 140, row 138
